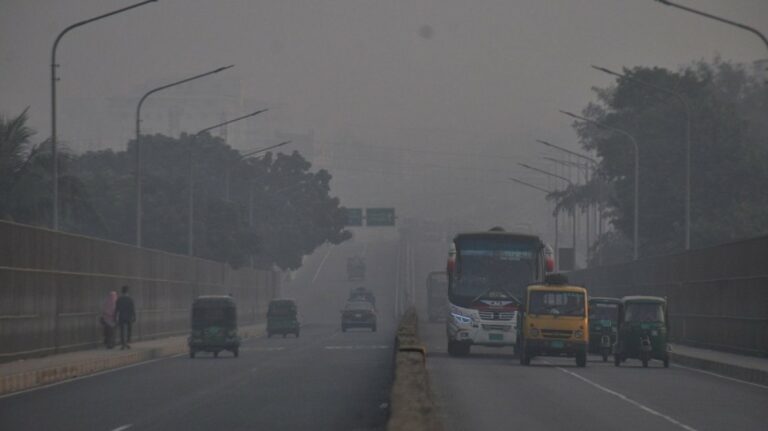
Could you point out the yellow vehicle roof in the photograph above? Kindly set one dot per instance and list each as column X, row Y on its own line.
column 556, row 287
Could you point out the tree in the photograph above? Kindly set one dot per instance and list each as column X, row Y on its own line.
column 728, row 156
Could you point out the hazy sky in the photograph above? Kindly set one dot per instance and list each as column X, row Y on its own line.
column 482, row 76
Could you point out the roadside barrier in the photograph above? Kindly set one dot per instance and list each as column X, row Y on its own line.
column 412, row 405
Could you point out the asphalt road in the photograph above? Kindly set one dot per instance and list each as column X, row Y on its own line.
column 324, row 380
column 490, row 390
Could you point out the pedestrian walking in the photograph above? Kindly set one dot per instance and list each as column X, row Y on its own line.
column 107, row 319
column 125, row 314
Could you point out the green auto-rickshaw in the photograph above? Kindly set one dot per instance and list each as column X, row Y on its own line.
column 643, row 330
column 603, row 319
column 214, row 325
column 283, row 317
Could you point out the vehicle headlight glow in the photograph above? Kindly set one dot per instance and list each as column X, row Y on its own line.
column 578, row 333
column 461, row 319
column 533, row 332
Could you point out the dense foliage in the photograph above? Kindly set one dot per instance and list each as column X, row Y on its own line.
column 271, row 210
column 729, row 155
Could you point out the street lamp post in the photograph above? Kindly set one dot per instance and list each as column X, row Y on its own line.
column 54, row 79
column 573, row 216
column 598, row 211
column 717, row 18
column 557, row 216
column 637, row 170
column 138, row 140
column 579, row 167
column 191, row 179
column 684, row 101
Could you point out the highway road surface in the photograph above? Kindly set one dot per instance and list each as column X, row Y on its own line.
column 324, row 380
column 490, row 390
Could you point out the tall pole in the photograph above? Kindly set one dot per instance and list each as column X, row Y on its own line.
column 717, row 18
column 191, row 178
column 573, row 215
column 687, row 106
column 138, row 141
column 598, row 215
column 54, row 79
column 637, row 171
column 557, row 216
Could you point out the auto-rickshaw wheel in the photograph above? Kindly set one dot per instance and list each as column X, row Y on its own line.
column 581, row 359
column 645, row 362
column 236, row 351
column 285, row 334
column 192, row 353
column 216, row 354
column 269, row 335
column 617, row 360
column 666, row 361
column 605, row 356
column 297, row 334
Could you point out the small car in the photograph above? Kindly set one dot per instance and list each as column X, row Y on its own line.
column 358, row 314
column 362, row 294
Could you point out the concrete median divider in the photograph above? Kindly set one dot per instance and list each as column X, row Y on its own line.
column 412, row 405
column 28, row 374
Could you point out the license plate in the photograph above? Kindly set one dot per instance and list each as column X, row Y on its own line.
column 557, row 344
column 358, row 315
column 496, row 337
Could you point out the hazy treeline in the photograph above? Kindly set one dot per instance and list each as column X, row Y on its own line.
column 729, row 155
column 272, row 207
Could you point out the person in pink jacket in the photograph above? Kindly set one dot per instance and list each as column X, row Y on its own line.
column 107, row 319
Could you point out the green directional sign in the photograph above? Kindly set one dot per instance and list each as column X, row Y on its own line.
column 380, row 216
column 354, row 216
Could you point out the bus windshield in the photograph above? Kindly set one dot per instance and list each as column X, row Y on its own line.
column 495, row 266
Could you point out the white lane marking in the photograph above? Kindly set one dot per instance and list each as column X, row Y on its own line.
column 710, row 373
column 357, row 347
column 322, row 262
column 629, row 400
column 262, row 349
column 122, row 428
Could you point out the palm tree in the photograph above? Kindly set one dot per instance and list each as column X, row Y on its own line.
column 16, row 155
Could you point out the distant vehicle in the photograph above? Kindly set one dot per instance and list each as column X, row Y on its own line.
column 362, row 294
column 603, row 324
column 437, row 296
column 643, row 330
column 358, row 314
column 487, row 274
column 555, row 323
column 356, row 268
column 214, row 326
column 283, row 318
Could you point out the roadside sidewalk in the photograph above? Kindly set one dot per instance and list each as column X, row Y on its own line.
column 26, row 374
column 748, row 368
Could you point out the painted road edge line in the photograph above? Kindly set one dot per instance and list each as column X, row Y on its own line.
column 721, row 376
column 629, row 400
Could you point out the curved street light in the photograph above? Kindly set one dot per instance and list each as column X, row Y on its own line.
column 573, row 215
column 637, row 169
column 717, row 18
column 138, row 140
column 54, row 79
column 191, row 177
column 557, row 215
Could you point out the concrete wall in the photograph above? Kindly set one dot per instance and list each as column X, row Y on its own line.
column 718, row 296
column 52, row 285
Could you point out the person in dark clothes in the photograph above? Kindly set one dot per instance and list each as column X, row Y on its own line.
column 125, row 314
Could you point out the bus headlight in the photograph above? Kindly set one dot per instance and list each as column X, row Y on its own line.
column 533, row 332
column 461, row 319
column 578, row 333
